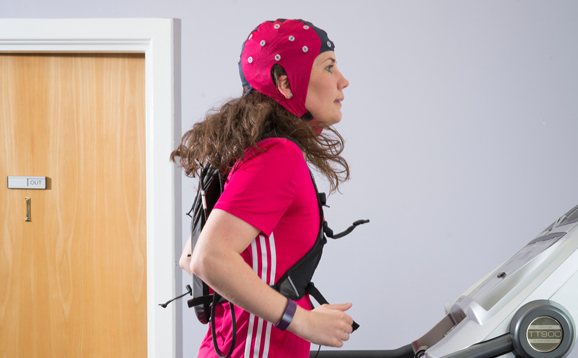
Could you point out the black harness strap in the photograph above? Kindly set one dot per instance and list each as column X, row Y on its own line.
column 330, row 233
column 202, row 300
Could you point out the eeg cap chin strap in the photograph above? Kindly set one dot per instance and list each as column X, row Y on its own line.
column 293, row 44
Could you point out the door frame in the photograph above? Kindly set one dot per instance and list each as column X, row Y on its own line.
column 159, row 40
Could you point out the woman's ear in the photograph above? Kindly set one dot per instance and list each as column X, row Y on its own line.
column 283, row 86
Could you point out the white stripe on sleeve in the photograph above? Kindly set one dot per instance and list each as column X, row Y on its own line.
column 271, row 283
column 252, row 316
column 264, row 278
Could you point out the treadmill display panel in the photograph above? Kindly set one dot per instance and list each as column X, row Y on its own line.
column 516, row 262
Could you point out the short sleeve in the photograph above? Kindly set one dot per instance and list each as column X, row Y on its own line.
column 262, row 187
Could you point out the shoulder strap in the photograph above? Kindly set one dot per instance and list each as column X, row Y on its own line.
column 294, row 282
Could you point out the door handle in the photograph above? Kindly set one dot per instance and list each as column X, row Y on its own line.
column 27, row 209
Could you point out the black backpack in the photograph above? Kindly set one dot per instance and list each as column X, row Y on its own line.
column 294, row 284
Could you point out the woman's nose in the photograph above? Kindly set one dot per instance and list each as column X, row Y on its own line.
column 343, row 82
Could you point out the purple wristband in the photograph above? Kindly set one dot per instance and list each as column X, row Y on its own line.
column 287, row 315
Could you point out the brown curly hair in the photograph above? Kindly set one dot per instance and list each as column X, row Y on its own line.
column 222, row 137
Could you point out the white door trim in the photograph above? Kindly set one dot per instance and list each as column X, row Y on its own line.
column 155, row 38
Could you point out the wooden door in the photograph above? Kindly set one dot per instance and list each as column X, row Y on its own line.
column 73, row 279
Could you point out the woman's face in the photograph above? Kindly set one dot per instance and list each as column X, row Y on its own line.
column 325, row 90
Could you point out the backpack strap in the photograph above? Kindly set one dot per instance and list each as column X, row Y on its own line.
column 330, row 233
column 296, row 282
column 204, row 300
column 293, row 283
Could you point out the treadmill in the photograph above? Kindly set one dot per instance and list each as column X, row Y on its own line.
column 527, row 307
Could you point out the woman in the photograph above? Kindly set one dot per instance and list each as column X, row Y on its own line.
column 268, row 218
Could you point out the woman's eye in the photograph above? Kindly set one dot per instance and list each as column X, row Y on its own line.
column 329, row 68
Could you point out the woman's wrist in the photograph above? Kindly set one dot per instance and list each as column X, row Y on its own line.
column 288, row 315
column 300, row 324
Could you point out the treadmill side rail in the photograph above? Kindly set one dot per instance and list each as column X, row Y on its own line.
column 436, row 333
column 402, row 352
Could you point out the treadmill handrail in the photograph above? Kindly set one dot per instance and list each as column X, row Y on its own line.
column 494, row 347
column 402, row 352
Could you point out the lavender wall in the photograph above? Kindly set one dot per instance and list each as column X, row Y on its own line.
column 461, row 121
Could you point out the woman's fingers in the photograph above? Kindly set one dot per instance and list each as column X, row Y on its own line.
column 342, row 307
column 339, row 306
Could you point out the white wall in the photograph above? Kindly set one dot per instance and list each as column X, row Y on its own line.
column 461, row 121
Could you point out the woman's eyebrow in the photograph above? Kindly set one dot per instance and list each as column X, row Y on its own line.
column 330, row 59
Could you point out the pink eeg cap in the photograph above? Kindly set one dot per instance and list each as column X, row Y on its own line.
column 293, row 44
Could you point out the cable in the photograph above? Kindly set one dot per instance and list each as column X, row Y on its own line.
column 216, row 299
column 319, row 349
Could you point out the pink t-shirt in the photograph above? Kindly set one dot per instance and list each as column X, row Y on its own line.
column 272, row 191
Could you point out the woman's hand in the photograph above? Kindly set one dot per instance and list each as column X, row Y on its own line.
column 327, row 325
column 185, row 260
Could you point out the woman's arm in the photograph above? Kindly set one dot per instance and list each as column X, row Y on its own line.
column 217, row 261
